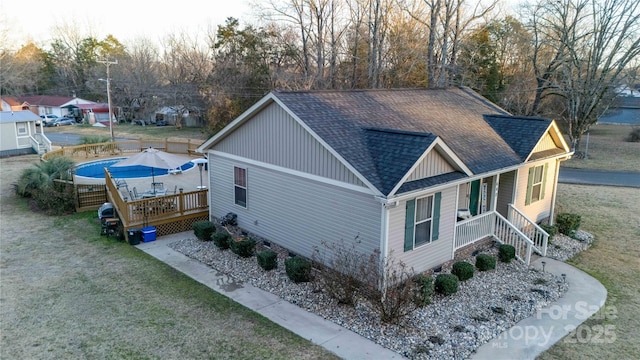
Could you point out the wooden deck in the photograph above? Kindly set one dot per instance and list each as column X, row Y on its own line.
column 183, row 204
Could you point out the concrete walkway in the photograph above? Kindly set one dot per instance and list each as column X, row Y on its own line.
column 340, row 341
column 532, row 336
column 525, row 340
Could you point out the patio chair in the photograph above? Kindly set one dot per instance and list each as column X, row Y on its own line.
column 120, row 183
column 176, row 171
column 157, row 186
column 135, row 195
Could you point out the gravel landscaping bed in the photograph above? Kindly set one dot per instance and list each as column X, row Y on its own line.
column 452, row 326
column 563, row 247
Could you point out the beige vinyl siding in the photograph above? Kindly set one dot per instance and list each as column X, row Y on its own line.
column 433, row 164
column 505, row 192
column 295, row 212
column 274, row 137
column 430, row 255
column 547, row 143
column 8, row 138
column 540, row 209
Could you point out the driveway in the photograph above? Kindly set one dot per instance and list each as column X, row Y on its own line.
column 599, row 177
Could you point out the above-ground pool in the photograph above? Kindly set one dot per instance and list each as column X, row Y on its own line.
column 95, row 169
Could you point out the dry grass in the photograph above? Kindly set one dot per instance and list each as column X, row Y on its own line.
column 612, row 215
column 69, row 293
column 149, row 132
column 608, row 150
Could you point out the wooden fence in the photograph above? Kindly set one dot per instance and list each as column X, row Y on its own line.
column 109, row 149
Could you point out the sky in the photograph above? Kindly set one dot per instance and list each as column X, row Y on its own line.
column 125, row 19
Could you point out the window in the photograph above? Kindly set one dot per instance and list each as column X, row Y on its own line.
column 240, row 186
column 424, row 213
column 422, row 221
column 536, row 184
column 22, row 129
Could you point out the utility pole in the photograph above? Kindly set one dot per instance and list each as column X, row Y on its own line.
column 108, row 63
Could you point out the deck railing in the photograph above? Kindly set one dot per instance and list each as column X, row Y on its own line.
column 156, row 210
column 528, row 227
column 495, row 225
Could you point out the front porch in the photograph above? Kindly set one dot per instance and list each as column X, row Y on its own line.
column 486, row 209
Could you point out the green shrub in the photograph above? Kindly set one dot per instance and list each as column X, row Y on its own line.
column 243, row 247
column 506, row 253
column 298, row 269
column 446, row 284
column 568, row 223
column 634, row 135
column 267, row 259
column 552, row 230
column 463, row 270
column 485, row 262
column 38, row 183
column 203, row 229
column 221, row 240
column 424, row 289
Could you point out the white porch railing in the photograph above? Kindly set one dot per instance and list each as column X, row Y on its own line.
column 528, row 227
column 40, row 143
column 495, row 225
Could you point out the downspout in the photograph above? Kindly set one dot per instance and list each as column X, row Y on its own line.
column 555, row 191
column 455, row 228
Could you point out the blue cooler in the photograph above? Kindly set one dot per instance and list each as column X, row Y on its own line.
column 148, row 233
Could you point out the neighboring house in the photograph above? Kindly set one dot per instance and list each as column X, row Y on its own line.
column 19, row 136
column 10, row 103
column 45, row 105
column 170, row 114
column 417, row 174
column 90, row 113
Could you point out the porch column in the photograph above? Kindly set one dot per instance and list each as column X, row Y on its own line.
column 494, row 191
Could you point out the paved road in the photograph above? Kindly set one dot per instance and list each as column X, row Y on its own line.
column 599, row 177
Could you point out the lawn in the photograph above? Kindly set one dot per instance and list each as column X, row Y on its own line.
column 149, row 132
column 67, row 293
column 611, row 214
column 608, row 149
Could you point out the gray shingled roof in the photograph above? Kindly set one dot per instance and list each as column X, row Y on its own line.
column 18, row 116
column 394, row 152
column 521, row 133
column 381, row 132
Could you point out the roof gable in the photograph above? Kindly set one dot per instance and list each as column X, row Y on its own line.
column 393, row 154
column 529, row 137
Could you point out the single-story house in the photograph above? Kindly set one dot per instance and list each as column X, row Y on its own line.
column 10, row 103
column 45, row 104
column 416, row 174
column 19, row 135
column 91, row 113
column 169, row 114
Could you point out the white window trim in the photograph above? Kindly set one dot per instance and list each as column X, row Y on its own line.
column 246, row 192
column 416, row 222
column 534, row 183
column 23, row 127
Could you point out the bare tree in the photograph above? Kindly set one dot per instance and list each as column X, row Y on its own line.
column 588, row 45
column 186, row 66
